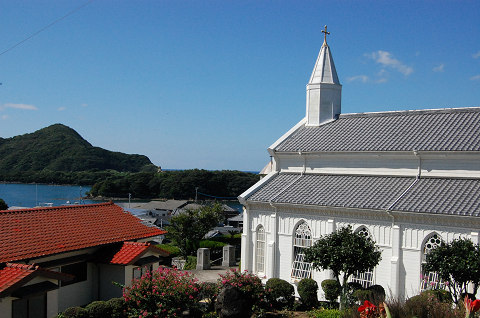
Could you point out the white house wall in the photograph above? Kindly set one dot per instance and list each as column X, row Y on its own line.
column 79, row 293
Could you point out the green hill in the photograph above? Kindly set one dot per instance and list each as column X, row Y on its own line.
column 60, row 151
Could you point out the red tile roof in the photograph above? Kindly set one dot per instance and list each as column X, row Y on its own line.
column 132, row 251
column 16, row 275
column 31, row 233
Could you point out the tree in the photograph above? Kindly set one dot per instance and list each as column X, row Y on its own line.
column 189, row 227
column 344, row 253
column 3, row 205
column 458, row 265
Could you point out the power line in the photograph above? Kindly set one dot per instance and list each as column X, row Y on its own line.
column 46, row 27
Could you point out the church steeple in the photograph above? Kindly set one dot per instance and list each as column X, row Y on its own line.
column 324, row 90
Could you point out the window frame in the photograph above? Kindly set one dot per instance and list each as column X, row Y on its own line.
column 302, row 238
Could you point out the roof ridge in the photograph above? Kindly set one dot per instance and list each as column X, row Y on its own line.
column 412, row 112
column 54, row 208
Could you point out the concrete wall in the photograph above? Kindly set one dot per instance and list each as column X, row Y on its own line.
column 107, row 275
column 81, row 293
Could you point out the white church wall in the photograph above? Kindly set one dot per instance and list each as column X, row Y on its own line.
column 403, row 164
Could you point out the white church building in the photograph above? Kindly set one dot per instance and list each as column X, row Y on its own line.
column 407, row 179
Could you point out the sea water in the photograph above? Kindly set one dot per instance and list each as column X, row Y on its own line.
column 31, row 195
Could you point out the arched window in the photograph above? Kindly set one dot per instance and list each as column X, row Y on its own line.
column 260, row 250
column 302, row 240
column 366, row 278
column 430, row 280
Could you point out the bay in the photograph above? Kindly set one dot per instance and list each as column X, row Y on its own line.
column 31, row 195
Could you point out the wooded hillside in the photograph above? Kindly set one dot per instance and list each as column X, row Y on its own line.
column 58, row 154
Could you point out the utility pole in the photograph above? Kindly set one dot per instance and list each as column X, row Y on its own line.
column 196, row 194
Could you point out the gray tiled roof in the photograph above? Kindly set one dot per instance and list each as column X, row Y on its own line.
column 428, row 195
column 427, row 130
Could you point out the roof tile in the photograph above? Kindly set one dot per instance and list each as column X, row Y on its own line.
column 37, row 232
column 454, row 129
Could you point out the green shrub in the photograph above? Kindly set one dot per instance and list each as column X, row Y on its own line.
column 353, row 286
column 75, row 312
column 427, row 305
column 191, row 263
column 442, row 295
column 211, row 244
column 362, row 295
column 172, row 249
column 332, row 289
column 326, row 313
column 280, row 293
column 118, row 307
column 98, row 309
column 307, row 289
column 378, row 293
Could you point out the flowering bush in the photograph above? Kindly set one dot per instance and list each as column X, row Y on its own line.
column 248, row 283
column 165, row 292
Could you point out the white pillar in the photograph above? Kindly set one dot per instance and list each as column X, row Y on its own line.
column 395, row 262
column 272, row 246
column 246, row 258
column 474, row 237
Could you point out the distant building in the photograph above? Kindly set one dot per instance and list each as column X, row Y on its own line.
column 58, row 257
column 407, row 180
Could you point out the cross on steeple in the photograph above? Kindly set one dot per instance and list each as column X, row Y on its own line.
column 325, row 35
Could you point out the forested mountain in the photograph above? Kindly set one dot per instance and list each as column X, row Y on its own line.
column 59, row 154
column 180, row 184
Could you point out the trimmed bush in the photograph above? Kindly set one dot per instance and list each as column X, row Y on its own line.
column 211, row 244
column 280, row 293
column 362, row 295
column 326, row 313
column 75, row 312
column 98, row 309
column 118, row 307
column 307, row 289
column 378, row 293
column 172, row 249
column 332, row 289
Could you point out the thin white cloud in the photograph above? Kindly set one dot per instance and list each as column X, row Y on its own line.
column 359, row 78
column 84, row 105
column 386, row 59
column 61, row 109
column 19, row 106
column 439, row 68
column 4, row 117
column 476, row 55
column 475, row 78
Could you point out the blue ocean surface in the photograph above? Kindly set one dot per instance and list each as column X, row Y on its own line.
column 31, row 195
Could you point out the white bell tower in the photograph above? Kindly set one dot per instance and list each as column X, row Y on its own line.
column 324, row 91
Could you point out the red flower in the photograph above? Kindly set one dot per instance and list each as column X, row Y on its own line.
column 367, row 307
column 475, row 305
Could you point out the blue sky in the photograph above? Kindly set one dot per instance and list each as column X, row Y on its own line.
column 212, row 84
